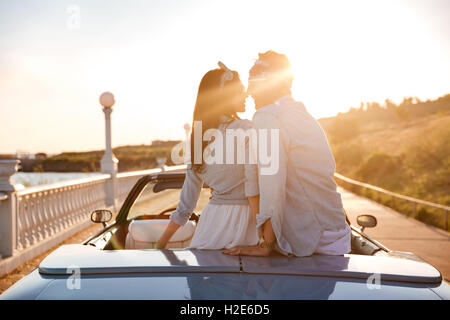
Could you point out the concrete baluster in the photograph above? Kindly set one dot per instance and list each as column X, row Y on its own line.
column 8, row 210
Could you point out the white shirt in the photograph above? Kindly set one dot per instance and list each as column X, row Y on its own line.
column 301, row 199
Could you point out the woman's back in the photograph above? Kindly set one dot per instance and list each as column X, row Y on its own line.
column 231, row 180
column 219, row 147
column 231, row 183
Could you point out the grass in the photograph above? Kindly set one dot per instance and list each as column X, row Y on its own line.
column 426, row 214
column 406, row 152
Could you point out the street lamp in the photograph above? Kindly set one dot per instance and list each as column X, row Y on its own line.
column 107, row 99
column 109, row 161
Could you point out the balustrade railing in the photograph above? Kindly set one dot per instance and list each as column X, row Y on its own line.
column 32, row 216
column 43, row 211
column 445, row 210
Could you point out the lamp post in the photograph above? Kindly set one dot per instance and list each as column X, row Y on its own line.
column 109, row 161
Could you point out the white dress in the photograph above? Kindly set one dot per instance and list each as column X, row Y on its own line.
column 223, row 226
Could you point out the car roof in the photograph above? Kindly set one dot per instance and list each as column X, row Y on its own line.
column 91, row 260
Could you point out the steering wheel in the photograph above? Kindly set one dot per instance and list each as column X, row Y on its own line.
column 163, row 215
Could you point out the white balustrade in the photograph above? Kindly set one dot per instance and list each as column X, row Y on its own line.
column 32, row 216
column 8, row 202
column 44, row 211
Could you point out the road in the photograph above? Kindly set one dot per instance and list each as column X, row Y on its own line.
column 398, row 232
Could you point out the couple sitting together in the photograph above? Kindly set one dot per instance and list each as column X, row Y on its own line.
column 295, row 210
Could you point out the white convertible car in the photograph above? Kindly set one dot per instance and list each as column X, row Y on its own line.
column 120, row 262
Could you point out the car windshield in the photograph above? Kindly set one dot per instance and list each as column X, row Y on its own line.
column 150, row 203
column 159, row 194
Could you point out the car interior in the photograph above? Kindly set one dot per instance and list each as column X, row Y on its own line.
column 143, row 234
column 147, row 218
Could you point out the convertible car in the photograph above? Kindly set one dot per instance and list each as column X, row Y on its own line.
column 120, row 262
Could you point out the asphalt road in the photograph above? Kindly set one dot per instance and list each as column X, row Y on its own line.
column 398, row 232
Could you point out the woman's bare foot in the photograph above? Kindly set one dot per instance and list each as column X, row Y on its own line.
column 255, row 250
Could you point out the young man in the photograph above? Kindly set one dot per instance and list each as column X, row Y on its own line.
column 301, row 212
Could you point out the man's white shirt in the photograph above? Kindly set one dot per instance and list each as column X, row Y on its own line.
column 301, row 199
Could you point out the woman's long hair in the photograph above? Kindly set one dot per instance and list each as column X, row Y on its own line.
column 213, row 102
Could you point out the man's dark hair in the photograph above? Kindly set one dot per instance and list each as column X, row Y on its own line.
column 274, row 66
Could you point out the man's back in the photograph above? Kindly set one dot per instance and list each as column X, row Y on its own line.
column 311, row 203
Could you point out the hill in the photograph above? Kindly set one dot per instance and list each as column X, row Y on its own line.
column 131, row 157
column 403, row 148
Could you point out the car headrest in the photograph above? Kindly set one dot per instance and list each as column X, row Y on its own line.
column 151, row 230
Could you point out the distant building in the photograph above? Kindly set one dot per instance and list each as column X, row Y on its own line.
column 157, row 143
column 23, row 155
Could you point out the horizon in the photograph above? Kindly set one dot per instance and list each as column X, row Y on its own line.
column 151, row 56
column 48, row 154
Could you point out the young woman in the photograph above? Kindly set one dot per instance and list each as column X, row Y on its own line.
column 229, row 219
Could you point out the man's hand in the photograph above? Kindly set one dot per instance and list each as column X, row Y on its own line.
column 260, row 233
column 256, row 251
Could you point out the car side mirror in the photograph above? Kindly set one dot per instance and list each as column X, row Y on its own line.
column 101, row 216
column 366, row 221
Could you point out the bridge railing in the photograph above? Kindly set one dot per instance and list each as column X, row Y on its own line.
column 34, row 219
column 414, row 202
column 44, row 211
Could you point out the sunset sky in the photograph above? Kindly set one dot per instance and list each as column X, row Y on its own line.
column 152, row 55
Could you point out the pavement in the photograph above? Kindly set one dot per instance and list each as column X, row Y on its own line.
column 398, row 232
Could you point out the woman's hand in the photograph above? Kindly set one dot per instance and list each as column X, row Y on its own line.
column 256, row 250
column 160, row 244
